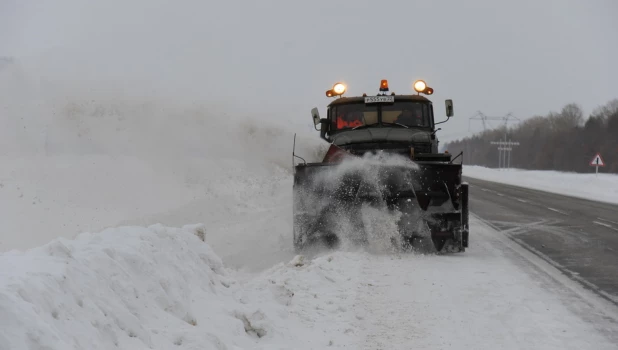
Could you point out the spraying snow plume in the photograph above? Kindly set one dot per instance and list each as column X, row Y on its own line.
column 79, row 157
column 348, row 201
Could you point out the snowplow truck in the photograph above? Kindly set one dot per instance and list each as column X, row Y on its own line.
column 383, row 154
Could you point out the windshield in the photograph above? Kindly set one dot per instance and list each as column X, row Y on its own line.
column 353, row 115
column 412, row 114
column 406, row 113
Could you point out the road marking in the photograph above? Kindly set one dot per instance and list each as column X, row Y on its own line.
column 606, row 225
column 613, row 222
column 519, row 227
column 486, row 190
column 602, row 224
column 500, row 194
column 557, row 211
column 521, row 200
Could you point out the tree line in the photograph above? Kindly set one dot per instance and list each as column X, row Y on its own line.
column 561, row 141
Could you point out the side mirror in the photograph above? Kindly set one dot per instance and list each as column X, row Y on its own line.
column 449, row 108
column 315, row 114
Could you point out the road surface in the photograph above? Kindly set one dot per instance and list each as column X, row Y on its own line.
column 579, row 237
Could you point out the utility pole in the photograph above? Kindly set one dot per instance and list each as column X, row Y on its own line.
column 506, row 147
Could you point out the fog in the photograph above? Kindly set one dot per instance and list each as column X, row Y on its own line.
column 275, row 59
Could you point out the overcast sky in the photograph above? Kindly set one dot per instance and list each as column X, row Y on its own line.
column 526, row 57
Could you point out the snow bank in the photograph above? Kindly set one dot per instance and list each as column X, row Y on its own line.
column 162, row 287
column 135, row 288
column 128, row 288
column 601, row 187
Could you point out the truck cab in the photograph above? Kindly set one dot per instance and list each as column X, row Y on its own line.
column 402, row 124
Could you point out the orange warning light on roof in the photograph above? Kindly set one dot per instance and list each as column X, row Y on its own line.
column 384, row 85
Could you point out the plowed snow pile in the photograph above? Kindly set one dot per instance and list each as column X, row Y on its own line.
column 137, row 288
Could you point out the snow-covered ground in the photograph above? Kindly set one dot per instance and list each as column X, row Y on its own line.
column 601, row 187
column 150, row 285
column 83, row 165
column 114, row 149
column 164, row 288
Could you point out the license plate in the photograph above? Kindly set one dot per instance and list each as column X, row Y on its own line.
column 379, row 99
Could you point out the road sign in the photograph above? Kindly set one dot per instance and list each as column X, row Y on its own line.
column 597, row 161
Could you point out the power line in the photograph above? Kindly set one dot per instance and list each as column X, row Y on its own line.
column 504, row 147
column 484, row 118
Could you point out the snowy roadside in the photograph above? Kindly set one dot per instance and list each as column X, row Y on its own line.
column 160, row 287
column 134, row 288
column 601, row 187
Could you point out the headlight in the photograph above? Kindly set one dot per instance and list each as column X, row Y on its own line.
column 419, row 86
column 339, row 89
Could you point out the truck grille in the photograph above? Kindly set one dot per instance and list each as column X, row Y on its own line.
column 422, row 148
column 359, row 149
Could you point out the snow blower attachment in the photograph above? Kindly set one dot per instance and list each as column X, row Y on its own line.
column 384, row 155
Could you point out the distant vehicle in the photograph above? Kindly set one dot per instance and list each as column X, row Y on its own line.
column 406, row 174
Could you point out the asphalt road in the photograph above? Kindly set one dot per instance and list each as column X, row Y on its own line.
column 580, row 237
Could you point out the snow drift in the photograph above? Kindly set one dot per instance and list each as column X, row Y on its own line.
column 137, row 288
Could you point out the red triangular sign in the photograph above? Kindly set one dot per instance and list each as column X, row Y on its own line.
column 597, row 161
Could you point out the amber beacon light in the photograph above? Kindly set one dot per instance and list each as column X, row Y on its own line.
column 384, row 85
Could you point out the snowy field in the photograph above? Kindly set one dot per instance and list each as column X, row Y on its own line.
column 601, row 187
